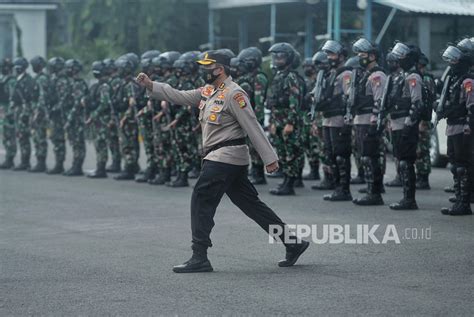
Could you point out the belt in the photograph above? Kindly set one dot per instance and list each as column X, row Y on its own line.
column 234, row 142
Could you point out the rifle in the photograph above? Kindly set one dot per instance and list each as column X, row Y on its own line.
column 383, row 105
column 351, row 99
column 440, row 112
column 317, row 92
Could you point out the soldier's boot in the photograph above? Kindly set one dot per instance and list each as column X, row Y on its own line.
column 463, row 206
column 150, row 173
column 360, row 177
column 293, row 252
column 198, row 263
column 24, row 164
column 114, row 167
column 193, row 173
column 299, row 180
column 277, row 174
column 422, row 182
column 181, row 181
column 7, row 164
column 128, row 173
column 162, row 178
column 57, row 169
column 285, row 190
column 456, row 189
column 40, row 166
column 313, row 174
column 99, row 172
column 259, row 176
column 75, row 170
column 408, row 201
column 342, row 192
column 326, row 184
column 365, row 191
column 285, row 179
column 372, row 198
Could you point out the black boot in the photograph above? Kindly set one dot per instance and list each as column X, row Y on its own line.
column 75, row 170
column 277, row 174
column 57, row 169
column 364, row 190
column 408, row 201
column 342, row 192
column 422, row 182
column 128, row 173
column 40, row 166
column 99, row 172
column 7, row 164
column 181, row 181
column 293, row 252
column 24, row 165
column 114, row 167
column 150, row 173
column 259, row 176
column 193, row 173
column 313, row 174
column 326, row 184
column 462, row 207
column 299, row 180
column 360, row 177
column 162, row 178
column 286, row 189
column 197, row 263
column 285, row 179
column 372, row 198
column 457, row 192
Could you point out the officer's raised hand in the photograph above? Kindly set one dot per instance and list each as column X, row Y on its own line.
column 144, row 81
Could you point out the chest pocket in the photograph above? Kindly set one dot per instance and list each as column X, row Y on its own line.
column 214, row 115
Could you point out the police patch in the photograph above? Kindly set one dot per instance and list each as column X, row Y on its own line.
column 221, row 96
column 468, row 86
column 212, row 117
column 207, row 91
column 413, row 82
column 219, row 102
column 376, row 80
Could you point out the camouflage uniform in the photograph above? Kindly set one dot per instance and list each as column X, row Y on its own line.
column 9, row 131
column 309, row 140
column 145, row 125
column 260, row 87
column 75, row 125
column 22, row 103
column 284, row 102
column 40, row 116
column 57, row 118
column 113, row 134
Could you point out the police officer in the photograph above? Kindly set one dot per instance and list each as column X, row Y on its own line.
column 405, row 115
column 226, row 158
column 59, row 94
column 459, row 112
column 98, row 104
column 39, row 122
column 336, row 132
column 284, row 102
column 368, row 95
column 145, row 122
column 9, row 132
column 75, row 124
column 22, row 98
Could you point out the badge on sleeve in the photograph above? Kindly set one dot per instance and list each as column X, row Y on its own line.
column 413, row 82
column 239, row 97
column 207, row 91
column 376, row 80
column 468, row 86
column 347, row 79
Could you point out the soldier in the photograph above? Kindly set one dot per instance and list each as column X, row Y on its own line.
column 128, row 94
column 163, row 65
column 226, row 157
column 405, row 115
column 144, row 118
column 22, row 98
column 284, row 102
column 336, row 132
column 98, row 105
column 59, row 93
column 423, row 161
column 251, row 57
column 39, row 122
column 458, row 109
column 367, row 98
column 75, row 122
column 115, row 82
column 9, row 132
column 310, row 140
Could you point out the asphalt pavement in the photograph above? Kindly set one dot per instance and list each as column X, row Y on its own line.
column 76, row 246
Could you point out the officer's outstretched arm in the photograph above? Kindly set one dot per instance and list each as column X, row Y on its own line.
column 162, row 91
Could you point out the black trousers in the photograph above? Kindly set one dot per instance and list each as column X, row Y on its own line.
column 368, row 143
column 215, row 180
column 459, row 149
column 337, row 144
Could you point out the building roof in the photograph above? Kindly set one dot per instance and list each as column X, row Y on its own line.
column 226, row 4
column 454, row 7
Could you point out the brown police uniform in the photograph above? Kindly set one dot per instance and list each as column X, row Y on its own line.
column 226, row 118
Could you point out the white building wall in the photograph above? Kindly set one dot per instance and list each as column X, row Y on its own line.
column 33, row 32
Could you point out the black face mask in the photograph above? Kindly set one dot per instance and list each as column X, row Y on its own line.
column 392, row 67
column 208, row 75
column 333, row 63
column 364, row 61
column 309, row 72
column 460, row 67
column 406, row 63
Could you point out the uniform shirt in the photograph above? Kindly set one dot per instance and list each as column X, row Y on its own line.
column 466, row 96
column 412, row 89
column 341, row 86
column 374, row 87
column 225, row 114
